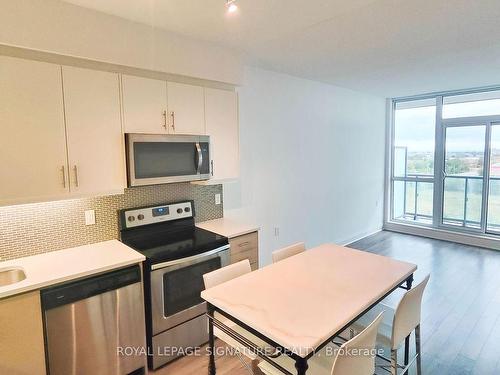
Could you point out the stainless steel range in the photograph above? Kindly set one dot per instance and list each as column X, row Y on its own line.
column 177, row 255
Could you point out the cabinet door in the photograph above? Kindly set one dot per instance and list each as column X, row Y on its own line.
column 221, row 116
column 21, row 335
column 33, row 163
column 186, row 109
column 95, row 141
column 144, row 105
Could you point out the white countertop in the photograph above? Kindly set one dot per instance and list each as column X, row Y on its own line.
column 303, row 300
column 59, row 266
column 228, row 227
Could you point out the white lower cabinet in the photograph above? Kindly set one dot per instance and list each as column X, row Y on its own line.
column 94, row 133
column 33, row 163
column 221, row 122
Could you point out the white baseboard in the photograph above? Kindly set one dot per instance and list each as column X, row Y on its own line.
column 359, row 237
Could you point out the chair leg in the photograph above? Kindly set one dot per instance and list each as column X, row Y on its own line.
column 418, row 350
column 244, row 363
column 255, row 367
column 394, row 362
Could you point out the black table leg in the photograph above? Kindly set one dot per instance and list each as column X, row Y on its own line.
column 301, row 366
column 409, row 283
column 211, row 342
column 407, row 350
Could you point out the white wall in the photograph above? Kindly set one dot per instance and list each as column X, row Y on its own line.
column 312, row 161
column 58, row 27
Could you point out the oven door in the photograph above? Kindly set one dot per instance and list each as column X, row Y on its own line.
column 176, row 287
column 159, row 159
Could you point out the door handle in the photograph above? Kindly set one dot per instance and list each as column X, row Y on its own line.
column 172, row 114
column 75, row 169
column 200, row 157
column 212, row 167
column 63, row 171
column 165, row 119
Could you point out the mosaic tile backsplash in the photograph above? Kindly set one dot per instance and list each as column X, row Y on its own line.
column 42, row 227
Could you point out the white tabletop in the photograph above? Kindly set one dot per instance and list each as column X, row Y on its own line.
column 303, row 300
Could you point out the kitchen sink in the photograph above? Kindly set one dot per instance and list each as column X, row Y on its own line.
column 11, row 275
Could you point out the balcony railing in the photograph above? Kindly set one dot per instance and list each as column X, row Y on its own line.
column 418, row 208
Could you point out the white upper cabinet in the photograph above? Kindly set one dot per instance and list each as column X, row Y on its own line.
column 185, row 109
column 221, row 120
column 94, row 132
column 33, row 162
column 144, row 105
column 62, row 127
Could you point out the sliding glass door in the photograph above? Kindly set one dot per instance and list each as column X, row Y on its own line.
column 463, row 176
column 445, row 162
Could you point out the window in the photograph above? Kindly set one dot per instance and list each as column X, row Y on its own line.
column 413, row 167
column 445, row 170
column 469, row 105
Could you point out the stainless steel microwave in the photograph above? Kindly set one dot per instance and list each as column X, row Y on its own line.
column 160, row 158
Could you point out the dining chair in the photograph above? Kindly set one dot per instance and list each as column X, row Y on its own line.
column 397, row 325
column 354, row 357
column 220, row 276
column 288, row 251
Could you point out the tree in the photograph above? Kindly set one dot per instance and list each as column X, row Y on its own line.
column 456, row 166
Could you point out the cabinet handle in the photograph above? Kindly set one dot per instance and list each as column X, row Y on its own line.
column 244, row 244
column 212, row 167
column 63, row 171
column 165, row 119
column 172, row 114
column 75, row 169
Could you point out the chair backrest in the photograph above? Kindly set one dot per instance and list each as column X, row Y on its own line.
column 288, row 251
column 227, row 273
column 357, row 356
column 408, row 313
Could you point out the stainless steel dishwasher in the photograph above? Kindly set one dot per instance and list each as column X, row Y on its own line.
column 96, row 326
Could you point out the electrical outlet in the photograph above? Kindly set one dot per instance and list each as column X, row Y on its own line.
column 276, row 231
column 217, row 199
column 89, row 217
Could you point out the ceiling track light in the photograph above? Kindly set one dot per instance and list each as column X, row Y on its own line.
column 231, row 6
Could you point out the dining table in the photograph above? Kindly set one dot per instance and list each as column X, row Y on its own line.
column 300, row 304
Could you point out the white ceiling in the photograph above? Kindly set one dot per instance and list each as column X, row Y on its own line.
column 385, row 47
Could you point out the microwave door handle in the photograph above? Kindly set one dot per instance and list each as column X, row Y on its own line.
column 200, row 158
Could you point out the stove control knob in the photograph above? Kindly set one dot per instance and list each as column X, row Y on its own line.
column 131, row 218
column 187, row 209
column 179, row 210
column 140, row 217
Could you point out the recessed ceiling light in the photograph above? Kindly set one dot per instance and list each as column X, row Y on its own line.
column 231, row 6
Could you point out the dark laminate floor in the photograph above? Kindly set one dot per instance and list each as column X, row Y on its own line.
column 461, row 308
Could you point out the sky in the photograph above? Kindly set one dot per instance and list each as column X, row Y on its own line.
column 414, row 127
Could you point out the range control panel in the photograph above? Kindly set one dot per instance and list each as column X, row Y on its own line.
column 156, row 214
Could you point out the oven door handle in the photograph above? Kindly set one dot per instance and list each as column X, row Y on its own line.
column 188, row 259
column 199, row 158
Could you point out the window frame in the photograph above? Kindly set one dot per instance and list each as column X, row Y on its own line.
column 439, row 160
